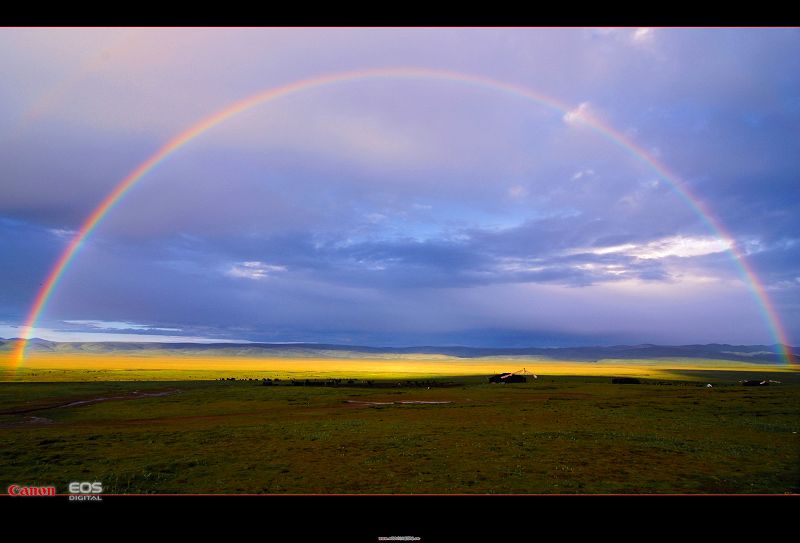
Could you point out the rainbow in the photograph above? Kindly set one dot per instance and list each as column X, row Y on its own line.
column 90, row 224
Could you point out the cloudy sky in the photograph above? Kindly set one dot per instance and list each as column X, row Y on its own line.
column 403, row 211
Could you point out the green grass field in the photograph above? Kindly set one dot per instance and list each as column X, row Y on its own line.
column 558, row 434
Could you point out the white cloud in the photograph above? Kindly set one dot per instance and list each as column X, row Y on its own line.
column 752, row 245
column 253, row 270
column 119, row 325
column 63, row 232
column 642, row 35
column 624, row 36
column 783, row 285
column 651, row 184
column 680, row 246
column 583, row 173
column 375, row 218
column 612, row 269
column 641, row 193
column 608, row 250
column 12, row 331
column 580, row 114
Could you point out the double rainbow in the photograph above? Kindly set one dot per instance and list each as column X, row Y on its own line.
column 40, row 303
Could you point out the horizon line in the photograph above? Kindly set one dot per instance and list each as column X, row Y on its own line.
column 414, row 346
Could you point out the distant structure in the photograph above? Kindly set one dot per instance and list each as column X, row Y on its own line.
column 757, row 383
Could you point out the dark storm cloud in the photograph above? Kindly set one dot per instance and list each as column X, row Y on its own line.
column 27, row 251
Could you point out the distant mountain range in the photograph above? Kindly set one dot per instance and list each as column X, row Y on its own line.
column 744, row 353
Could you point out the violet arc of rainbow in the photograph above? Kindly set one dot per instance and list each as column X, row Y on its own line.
column 758, row 291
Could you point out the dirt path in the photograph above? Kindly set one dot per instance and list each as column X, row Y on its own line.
column 61, row 404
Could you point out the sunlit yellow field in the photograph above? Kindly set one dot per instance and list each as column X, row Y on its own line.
column 96, row 367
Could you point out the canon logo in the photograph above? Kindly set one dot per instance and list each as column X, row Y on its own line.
column 16, row 490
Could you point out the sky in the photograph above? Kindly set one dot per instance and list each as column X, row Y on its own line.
column 403, row 211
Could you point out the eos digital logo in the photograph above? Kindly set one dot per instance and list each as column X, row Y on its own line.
column 85, row 491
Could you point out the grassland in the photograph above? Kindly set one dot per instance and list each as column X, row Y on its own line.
column 176, row 367
column 558, row 434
